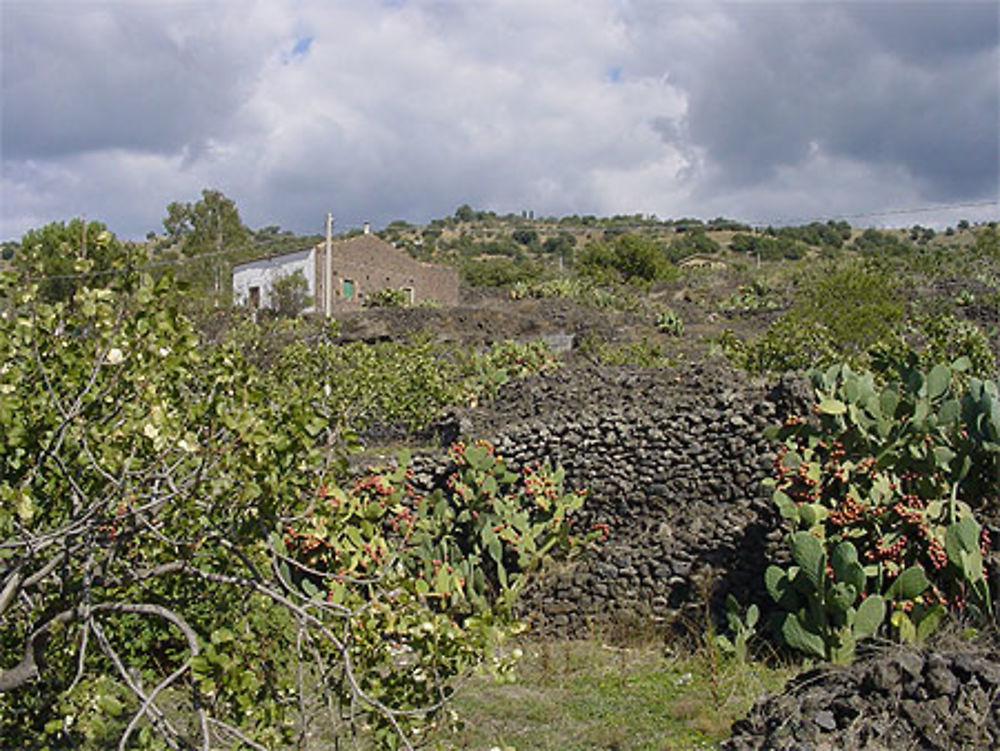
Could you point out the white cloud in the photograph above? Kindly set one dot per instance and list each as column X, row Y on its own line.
column 407, row 109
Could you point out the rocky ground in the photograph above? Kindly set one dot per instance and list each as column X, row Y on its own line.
column 893, row 699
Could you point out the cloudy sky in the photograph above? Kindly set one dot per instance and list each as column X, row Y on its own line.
column 405, row 109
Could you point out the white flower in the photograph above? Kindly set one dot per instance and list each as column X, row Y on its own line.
column 164, row 351
column 115, row 356
column 150, row 431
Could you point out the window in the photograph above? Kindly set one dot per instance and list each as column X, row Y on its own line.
column 409, row 295
column 349, row 289
column 253, row 298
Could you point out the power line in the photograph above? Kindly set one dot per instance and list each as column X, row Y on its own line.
column 887, row 212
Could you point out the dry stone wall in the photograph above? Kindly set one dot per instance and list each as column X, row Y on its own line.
column 673, row 462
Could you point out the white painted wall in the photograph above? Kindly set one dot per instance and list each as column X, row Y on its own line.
column 266, row 271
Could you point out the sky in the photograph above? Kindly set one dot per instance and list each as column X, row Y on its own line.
column 884, row 113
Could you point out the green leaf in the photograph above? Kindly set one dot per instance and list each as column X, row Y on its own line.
column 798, row 637
column 479, row 458
column 812, row 514
column 832, row 406
column 928, row 622
column 905, row 629
column 972, row 565
column 842, row 596
column 871, row 613
column 808, row 553
column 909, row 584
column 786, row 506
column 889, row 401
column 310, row 588
column 938, row 381
column 222, row 635
column 109, row 704
column 949, row 412
column 961, row 537
column 943, row 456
column 846, row 567
column 962, row 364
column 776, row 582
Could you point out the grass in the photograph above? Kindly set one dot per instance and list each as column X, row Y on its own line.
column 576, row 695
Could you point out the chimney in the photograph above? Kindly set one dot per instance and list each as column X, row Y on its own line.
column 367, row 228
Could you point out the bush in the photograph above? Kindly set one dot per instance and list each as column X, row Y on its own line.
column 627, row 258
column 842, row 314
column 387, row 297
column 289, row 295
column 879, row 492
column 669, row 322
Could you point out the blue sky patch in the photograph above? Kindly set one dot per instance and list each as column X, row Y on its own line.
column 301, row 47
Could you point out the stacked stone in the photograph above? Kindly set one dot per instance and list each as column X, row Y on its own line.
column 673, row 462
column 902, row 699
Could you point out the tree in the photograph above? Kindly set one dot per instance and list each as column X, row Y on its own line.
column 525, row 236
column 290, row 295
column 641, row 259
column 559, row 244
column 209, row 227
column 179, row 567
column 465, row 213
column 628, row 258
column 988, row 240
column 61, row 255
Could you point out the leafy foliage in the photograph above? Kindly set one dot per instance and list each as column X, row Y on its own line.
column 628, row 258
column 387, row 297
column 839, row 315
column 879, row 491
column 290, row 295
column 668, row 321
column 209, row 230
column 505, row 361
column 169, row 515
column 62, row 256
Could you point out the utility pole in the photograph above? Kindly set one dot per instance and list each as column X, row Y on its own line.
column 328, row 268
column 218, row 252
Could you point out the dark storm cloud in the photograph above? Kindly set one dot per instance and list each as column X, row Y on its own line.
column 86, row 77
column 926, row 33
column 905, row 85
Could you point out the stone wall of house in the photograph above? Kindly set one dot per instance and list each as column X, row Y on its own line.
column 673, row 462
column 372, row 264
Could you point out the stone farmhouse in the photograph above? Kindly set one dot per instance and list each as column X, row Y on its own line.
column 354, row 268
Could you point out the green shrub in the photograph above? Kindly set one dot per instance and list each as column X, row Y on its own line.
column 879, row 491
column 181, row 568
column 505, row 361
column 643, row 353
column 387, row 297
column 433, row 577
column 841, row 314
column 669, row 322
column 946, row 338
column 626, row 258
